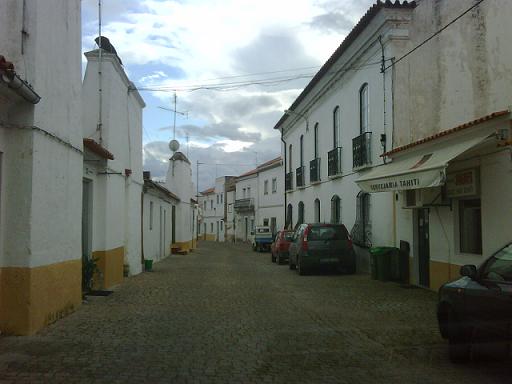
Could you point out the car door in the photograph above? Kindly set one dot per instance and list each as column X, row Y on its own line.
column 488, row 301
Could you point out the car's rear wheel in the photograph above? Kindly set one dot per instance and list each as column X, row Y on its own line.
column 459, row 350
column 300, row 268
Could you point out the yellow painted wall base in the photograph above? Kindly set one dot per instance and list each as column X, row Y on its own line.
column 441, row 273
column 31, row 298
column 209, row 237
column 110, row 264
column 184, row 245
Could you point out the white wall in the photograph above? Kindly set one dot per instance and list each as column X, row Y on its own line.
column 158, row 236
column 271, row 204
column 41, row 178
column 246, row 182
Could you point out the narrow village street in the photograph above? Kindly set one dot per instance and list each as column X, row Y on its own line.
column 226, row 314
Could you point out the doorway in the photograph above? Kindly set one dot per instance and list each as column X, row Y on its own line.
column 246, row 228
column 423, row 247
column 217, row 231
column 86, row 219
column 173, row 224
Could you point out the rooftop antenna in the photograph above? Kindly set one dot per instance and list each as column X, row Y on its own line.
column 175, row 111
column 100, row 92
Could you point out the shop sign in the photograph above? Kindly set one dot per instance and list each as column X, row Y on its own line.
column 462, row 184
column 412, row 180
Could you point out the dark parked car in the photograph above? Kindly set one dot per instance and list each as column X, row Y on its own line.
column 280, row 246
column 318, row 245
column 477, row 308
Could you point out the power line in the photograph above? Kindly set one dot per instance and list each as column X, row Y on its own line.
column 434, row 35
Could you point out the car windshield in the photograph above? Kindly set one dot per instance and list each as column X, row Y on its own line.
column 499, row 266
column 327, row 233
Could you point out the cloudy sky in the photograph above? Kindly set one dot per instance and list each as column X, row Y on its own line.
column 235, row 66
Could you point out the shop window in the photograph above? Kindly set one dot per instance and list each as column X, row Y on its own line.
column 470, row 226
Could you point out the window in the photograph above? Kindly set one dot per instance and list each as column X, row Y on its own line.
column 248, row 191
column 301, row 150
column 300, row 219
column 252, row 224
column 211, row 204
column 335, row 126
column 361, row 231
column 265, row 222
column 244, row 193
column 211, row 227
column 336, row 210
column 222, row 198
column 274, row 185
column 265, row 187
column 289, row 216
column 470, row 226
column 317, row 210
column 204, row 205
column 363, row 108
column 290, row 162
column 315, row 144
column 221, row 225
column 150, row 215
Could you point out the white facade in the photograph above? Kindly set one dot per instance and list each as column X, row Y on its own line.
column 460, row 77
column 179, row 181
column 246, row 205
column 214, row 205
column 115, row 185
column 349, row 99
column 40, row 165
column 158, row 205
column 270, row 199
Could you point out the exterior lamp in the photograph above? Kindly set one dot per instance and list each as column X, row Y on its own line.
column 290, row 112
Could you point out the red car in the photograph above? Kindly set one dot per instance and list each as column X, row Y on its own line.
column 280, row 245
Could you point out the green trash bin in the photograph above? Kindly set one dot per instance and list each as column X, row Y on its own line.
column 148, row 265
column 382, row 260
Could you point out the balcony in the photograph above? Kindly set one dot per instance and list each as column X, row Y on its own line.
column 334, row 162
column 288, row 181
column 361, row 150
column 244, row 204
column 299, row 174
column 314, row 171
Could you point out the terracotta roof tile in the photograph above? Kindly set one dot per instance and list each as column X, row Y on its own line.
column 208, row 191
column 447, row 132
column 98, row 149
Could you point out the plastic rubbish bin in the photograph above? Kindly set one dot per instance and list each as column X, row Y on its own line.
column 382, row 260
column 148, row 265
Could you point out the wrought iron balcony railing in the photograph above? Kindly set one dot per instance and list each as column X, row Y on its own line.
column 361, row 150
column 314, row 170
column 299, row 174
column 244, row 204
column 334, row 162
column 288, row 181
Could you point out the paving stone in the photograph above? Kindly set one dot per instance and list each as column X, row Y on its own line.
column 225, row 314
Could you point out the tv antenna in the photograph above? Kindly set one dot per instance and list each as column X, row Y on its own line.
column 175, row 111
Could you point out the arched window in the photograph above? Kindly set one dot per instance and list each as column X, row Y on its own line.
column 289, row 216
column 301, row 150
column 290, row 166
column 315, row 144
column 300, row 219
column 335, row 126
column 336, row 210
column 363, row 109
column 317, row 210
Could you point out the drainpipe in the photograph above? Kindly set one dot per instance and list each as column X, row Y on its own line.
column 284, row 167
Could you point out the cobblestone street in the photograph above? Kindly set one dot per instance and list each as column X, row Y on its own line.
column 226, row 314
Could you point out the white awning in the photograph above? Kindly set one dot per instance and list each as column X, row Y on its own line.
column 423, row 167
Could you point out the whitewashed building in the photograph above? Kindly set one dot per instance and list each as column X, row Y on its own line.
column 338, row 127
column 41, row 158
column 246, row 205
column 112, row 168
column 259, row 199
column 450, row 167
column 214, row 205
column 185, row 214
column 230, row 224
column 158, row 229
